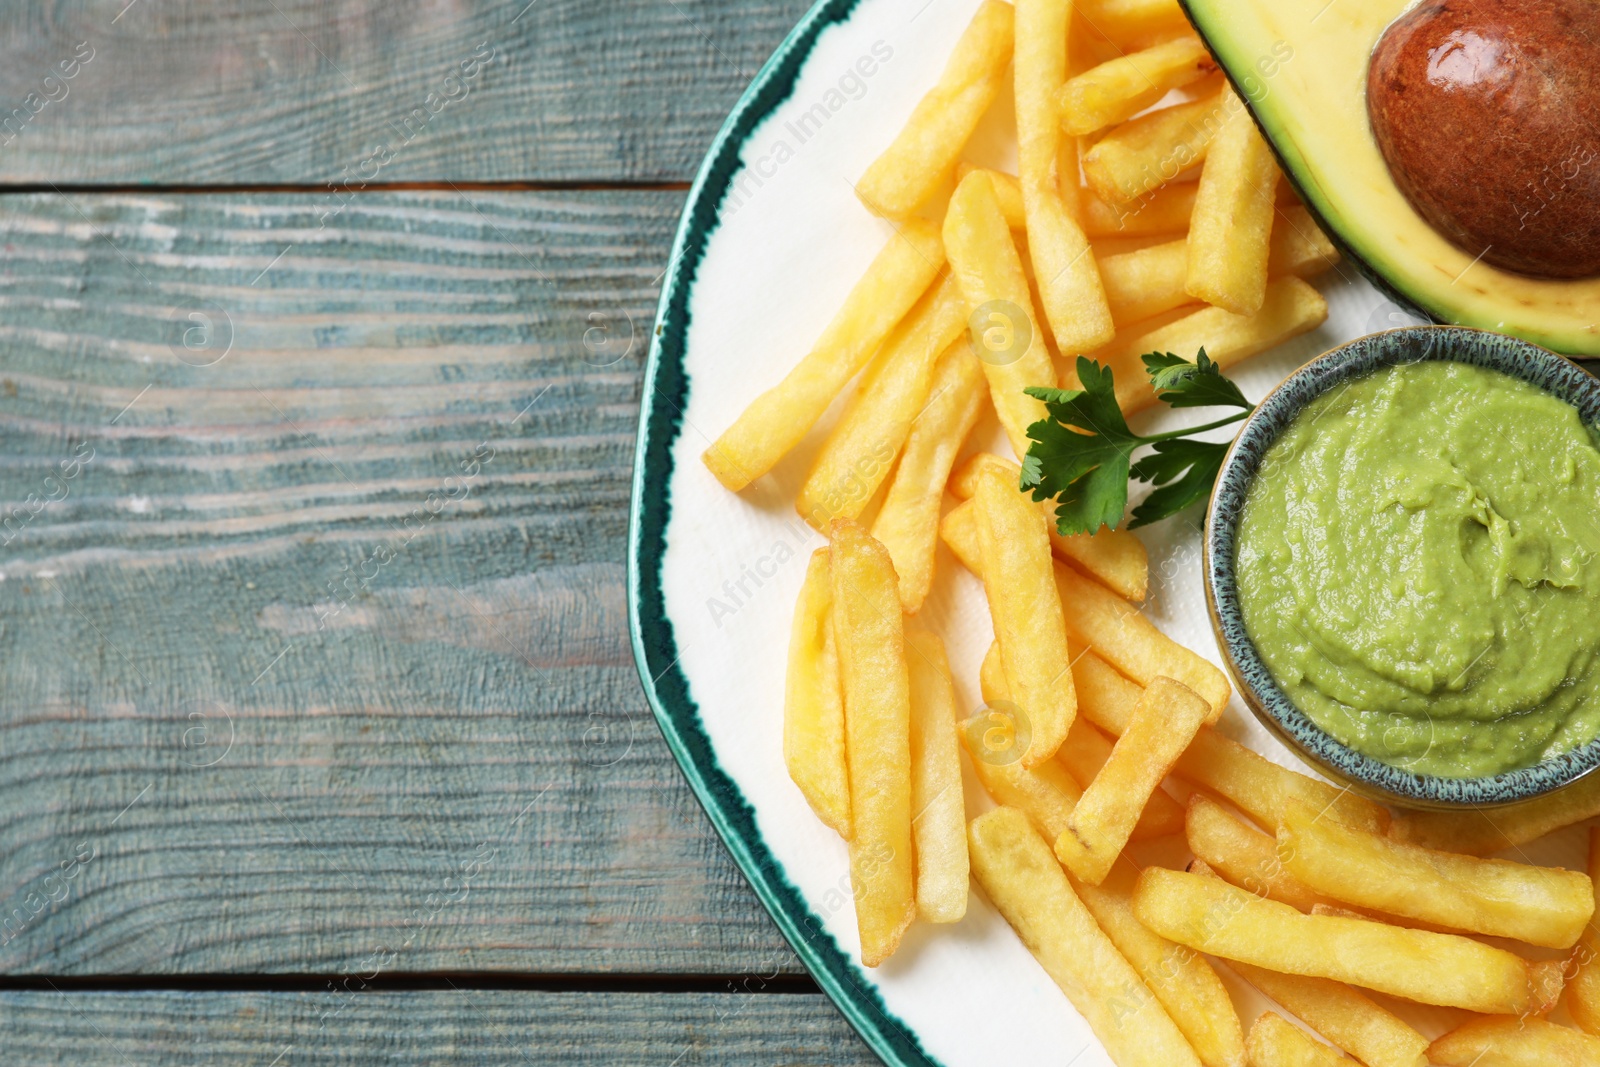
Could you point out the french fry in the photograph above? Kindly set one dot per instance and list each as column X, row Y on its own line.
column 1161, row 211
column 877, row 719
column 1123, row 87
column 1248, row 780
column 1082, row 754
column 1015, row 868
column 1511, row 1042
column 1116, row 557
column 1151, row 280
column 1027, row 613
column 1073, row 301
column 1299, row 246
column 1211, row 916
column 1005, row 330
column 1162, row 726
column 1101, row 621
column 1243, row 855
column 1276, row 1042
column 1142, row 155
column 1134, row 22
column 1086, row 750
column 1007, row 193
column 1231, row 229
column 1349, row 1020
column 908, row 522
column 857, row 455
column 1540, row 905
column 1291, row 308
column 939, row 819
column 1477, row 832
column 777, row 419
column 813, row 706
column 1181, row 979
column 1046, row 794
column 925, row 151
column 1583, row 992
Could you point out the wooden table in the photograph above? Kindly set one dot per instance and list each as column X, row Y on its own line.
column 323, row 324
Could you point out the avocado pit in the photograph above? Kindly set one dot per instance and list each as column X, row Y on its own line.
column 1484, row 111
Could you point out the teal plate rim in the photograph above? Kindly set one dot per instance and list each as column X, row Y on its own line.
column 655, row 648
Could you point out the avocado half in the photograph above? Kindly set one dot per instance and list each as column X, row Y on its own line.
column 1301, row 65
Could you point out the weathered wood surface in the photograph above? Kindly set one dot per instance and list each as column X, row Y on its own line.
column 426, row 1028
column 316, row 91
column 313, row 651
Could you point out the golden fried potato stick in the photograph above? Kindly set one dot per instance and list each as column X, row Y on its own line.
column 1007, row 193
column 1350, row 1020
column 1046, row 794
column 813, row 704
column 1116, row 557
column 1151, row 280
column 1248, row 780
column 1276, row 1042
column 1243, row 855
column 1540, row 905
column 1063, row 264
column 1142, row 155
column 1505, row 1041
column 1112, row 628
column 877, row 721
column 1211, row 916
column 1134, row 23
column 1479, row 831
column 1027, row 613
column 1583, row 992
column 1005, row 330
column 857, row 455
column 1164, row 211
column 939, row 818
column 1230, row 232
column 1085, row 752
column 1015, row 868
column 1082, row 754
column 1162, row 726
column 908, row 522
column 1121, row 88
column 1291, row 307
column 777, row 419
column 1181, row 979
column 1102, row 622
column 924, row 152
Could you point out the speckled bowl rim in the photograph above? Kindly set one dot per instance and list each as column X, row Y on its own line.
column 1521, row 359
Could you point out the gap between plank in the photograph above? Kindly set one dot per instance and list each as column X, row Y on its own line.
column 18, row 188
column 736, row 984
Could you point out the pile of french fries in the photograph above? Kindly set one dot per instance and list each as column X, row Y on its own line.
column 1127, row 230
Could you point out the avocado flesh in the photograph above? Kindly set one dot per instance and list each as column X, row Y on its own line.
column 1312, row 108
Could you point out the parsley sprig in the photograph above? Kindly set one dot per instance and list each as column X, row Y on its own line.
column 1082, row 455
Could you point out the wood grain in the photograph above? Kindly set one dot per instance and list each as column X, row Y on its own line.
column 157, row 1029
column 313, row 91
column 313, row 648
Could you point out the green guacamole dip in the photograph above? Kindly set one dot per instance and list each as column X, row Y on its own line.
column 1419, row 567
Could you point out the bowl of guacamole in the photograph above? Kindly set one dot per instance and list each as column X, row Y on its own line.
column 1403, row 566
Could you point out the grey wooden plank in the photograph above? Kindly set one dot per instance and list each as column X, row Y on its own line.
column 449, row 1027
column 312, row 613
column 348, row 92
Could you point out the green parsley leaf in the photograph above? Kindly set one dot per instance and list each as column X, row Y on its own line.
column 1081, row 456
column 1200, row 384
column 1190, row 466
